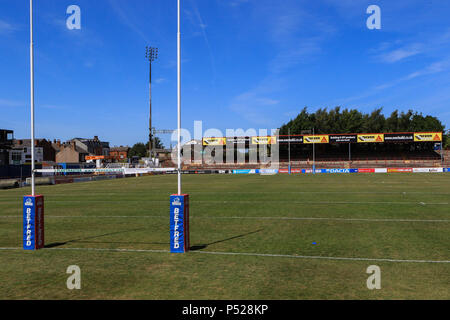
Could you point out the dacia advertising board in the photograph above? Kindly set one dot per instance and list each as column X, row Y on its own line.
column 339, row 170
column 33, row 222
column 179, row 223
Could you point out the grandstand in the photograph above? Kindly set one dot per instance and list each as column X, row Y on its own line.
column 386, row 150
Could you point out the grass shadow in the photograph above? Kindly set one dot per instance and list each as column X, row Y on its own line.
column 59, row 244
column 204, row 246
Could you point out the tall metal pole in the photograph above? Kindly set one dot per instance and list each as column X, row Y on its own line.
column 151, row 54
column 289, row 152
column 33, row 191
column 150, row 138
column 349, row 153
column 314, row 152
column 179, row 98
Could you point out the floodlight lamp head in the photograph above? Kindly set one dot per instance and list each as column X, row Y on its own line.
column 151, row 53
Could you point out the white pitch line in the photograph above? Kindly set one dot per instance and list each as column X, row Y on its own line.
column 255, row 201
column 247, row 254
column 244, row 218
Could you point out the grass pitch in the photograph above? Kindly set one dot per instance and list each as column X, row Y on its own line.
column 254, row 237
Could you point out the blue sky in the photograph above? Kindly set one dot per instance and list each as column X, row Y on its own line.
column 245, row 63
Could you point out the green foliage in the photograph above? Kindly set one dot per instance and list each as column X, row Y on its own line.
column 138, row 150
column 141, row 150
column 354, row 121
column 157, row 142
column 447, row 140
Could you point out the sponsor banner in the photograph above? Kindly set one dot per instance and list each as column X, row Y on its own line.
column 397, row 137
column 286, row 140
column 292, row 171
column 311, row 171
column 427, row 170
column 316, row 139
column 94, row 157
column 392, row 170
column 446, row 169
column 339, row 170
column 264, row 140
column 33, row 222
column 428, row 137
column 214, row 141
column 366, row 170
column 246, row 171
column 268, row 171
column 370, row 138
column 343, row 138
column 381, row 170
column 238, row 140
column 179, row 223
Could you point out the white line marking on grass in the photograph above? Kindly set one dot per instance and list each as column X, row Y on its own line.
column 255, row 201
column 237, row 218
column 320, row 257
column 245, row 254
column 331, row 219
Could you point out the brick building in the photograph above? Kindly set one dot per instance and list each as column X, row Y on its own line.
column 44, row 150
column 119, row 153
column 70, row 153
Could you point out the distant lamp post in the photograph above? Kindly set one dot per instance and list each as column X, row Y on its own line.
column 151, row 54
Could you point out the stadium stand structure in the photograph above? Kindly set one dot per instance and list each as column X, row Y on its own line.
column 356, row 154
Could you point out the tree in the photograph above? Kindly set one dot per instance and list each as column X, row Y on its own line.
column 446, row 141
column 138, row 150
column 157, row 142
column 354, row 121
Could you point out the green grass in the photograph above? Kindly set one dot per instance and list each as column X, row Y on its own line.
column 133, row 214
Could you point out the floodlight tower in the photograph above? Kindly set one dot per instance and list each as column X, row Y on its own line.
column 151, row 54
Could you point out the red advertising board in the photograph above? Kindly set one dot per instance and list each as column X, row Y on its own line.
column 366, row 170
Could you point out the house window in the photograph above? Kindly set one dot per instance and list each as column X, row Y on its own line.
column 16, row 156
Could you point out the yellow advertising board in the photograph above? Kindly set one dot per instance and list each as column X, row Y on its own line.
column 316, row 139
column 428, row 137
column 370, row 138
column 214, row 141
column 264, row 140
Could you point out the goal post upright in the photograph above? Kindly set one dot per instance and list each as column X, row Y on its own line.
column 33, row 205
column 33, row 190
column 179, row 203
column 179, row 93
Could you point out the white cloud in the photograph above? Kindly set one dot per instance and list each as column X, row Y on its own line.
column 399, row 54
column 257, row 104
column 6, row 27
column 5, row 103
